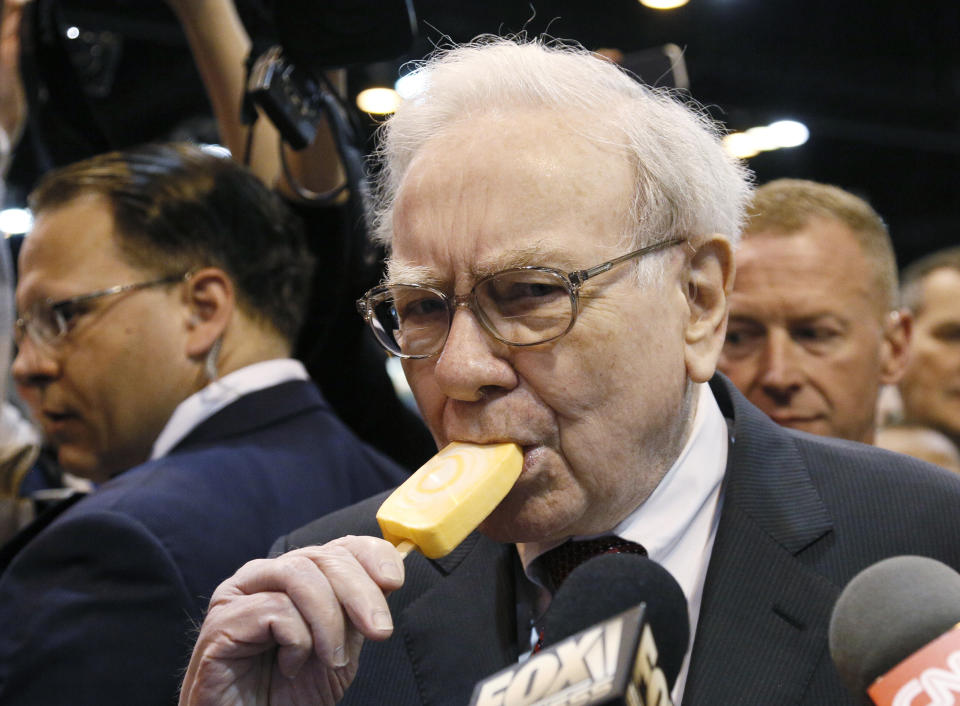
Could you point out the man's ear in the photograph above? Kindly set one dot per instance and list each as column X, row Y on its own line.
column 897, row 332
column 708, row 280
column 210, row 301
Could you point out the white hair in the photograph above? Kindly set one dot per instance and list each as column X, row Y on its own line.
column 686, row 184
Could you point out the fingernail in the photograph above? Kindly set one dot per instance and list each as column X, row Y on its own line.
column 339, row 657
column 390, row 570
column 382, row 620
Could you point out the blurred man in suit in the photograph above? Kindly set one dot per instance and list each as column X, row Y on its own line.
column 814, row 328
column 920, row 442
column 561, row 251
column 159, row 294
column 930, row 388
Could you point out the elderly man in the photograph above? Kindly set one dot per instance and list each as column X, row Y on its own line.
column 159, row 294
column 814, row 329
column 561, row 252
column 930, row 387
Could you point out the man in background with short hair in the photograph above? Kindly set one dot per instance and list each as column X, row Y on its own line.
column 159, row 295
column 814, row 328
column 930, row 387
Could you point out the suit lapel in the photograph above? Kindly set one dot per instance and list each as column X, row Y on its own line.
column 764, row 611
column 28, row 533
column 475, row 606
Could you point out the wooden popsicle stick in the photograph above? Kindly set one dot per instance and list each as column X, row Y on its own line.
column 405, row 547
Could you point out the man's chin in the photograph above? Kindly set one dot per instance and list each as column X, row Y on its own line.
column 808, row 423
column 821, row 427
column 948, row 421
column 82, row 463
column 507, row 528
column 518, row 523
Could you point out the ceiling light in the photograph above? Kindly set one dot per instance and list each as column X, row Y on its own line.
column 663, row 4
column 763, row 138
column 378, row 101
column 739, row 145
column 775, row 136
column 789, row 133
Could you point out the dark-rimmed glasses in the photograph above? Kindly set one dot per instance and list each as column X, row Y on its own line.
column 47, row 321
column 523, row 306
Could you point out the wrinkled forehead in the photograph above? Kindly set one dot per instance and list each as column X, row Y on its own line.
column 507, row 191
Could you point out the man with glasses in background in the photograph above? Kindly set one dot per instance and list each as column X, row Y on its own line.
column 159, row 295
column 561, row 252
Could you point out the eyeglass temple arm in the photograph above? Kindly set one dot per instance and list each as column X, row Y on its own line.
column 117, row 289
column 580, row 276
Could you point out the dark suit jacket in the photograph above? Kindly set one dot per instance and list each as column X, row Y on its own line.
column 100, row 606
column 801, row 515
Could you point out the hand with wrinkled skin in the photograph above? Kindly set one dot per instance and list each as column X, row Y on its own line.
column 289, row 630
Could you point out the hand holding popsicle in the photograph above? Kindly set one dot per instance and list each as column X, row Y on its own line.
column 290, row 629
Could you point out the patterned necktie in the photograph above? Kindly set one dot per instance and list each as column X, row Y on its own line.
column 560, row 561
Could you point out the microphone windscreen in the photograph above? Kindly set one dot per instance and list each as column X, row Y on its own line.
column 609, row 584
column 887, row 612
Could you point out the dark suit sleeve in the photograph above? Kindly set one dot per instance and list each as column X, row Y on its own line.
column 359, row 518
column 89, row 610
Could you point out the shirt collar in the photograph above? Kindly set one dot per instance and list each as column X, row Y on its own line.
column 218, row 394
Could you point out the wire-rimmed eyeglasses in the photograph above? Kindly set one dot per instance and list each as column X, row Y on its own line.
column 522, row 306
column 48, row 321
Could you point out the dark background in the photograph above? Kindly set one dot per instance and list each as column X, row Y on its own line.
column 878, row 85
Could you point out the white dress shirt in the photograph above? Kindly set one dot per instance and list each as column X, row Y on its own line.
column 218, row 394
column 677, row 524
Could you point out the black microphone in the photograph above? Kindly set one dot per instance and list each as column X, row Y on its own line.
column 612, row 583
column 893, row 633
column 616, row 633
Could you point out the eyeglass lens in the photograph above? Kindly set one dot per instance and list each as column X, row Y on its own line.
column 520, row 307
column 43, row 323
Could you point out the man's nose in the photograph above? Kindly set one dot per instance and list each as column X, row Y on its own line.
column 782, row 366
column 33, row 365
column 472, row 361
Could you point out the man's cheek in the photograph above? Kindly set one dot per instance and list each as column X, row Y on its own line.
column 30, row 398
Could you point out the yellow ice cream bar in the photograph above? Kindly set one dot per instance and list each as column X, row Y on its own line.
column 452, row 493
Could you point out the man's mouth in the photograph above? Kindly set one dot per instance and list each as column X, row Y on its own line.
column 792, row 418
column 54, row 421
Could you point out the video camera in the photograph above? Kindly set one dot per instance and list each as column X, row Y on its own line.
column 288, row 80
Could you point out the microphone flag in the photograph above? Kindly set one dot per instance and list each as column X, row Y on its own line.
column 933, row 671
column 613, row 662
